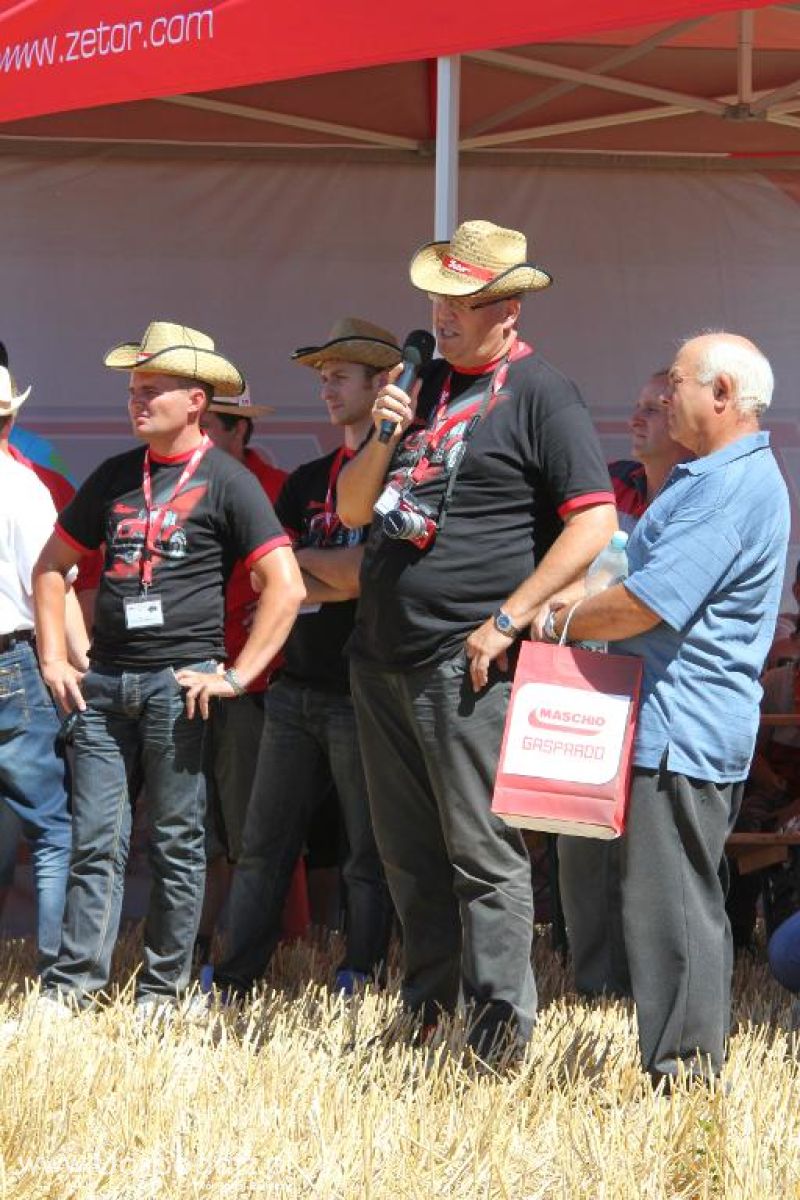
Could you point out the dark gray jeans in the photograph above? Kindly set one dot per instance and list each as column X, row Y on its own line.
column 677, row 934
column 134, row 727
column 459, row 876
column 308, row 740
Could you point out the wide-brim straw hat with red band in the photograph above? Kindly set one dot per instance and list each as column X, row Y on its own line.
column 170, row 349
column 10, row 398
column 240, row 406
column 482, row 260
column 356, row 341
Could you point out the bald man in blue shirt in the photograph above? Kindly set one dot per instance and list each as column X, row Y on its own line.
column 699, row 607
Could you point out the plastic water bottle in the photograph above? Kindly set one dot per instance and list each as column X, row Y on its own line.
column 610, row 567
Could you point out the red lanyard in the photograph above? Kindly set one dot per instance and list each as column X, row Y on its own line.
column 325, row 522
column 439, row 427
column 155, row 516
column 336, row 466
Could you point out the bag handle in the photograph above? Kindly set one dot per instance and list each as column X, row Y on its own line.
column 562, row 640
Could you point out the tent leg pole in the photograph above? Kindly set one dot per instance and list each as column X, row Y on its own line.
column 448, row 94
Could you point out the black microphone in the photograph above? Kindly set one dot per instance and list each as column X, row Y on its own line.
column 417, row 353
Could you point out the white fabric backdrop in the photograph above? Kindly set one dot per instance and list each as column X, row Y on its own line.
column 264, row 256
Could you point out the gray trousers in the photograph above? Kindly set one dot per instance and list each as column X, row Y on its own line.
column 309, row 740
column 677, row 934
column 459, row 876
column 591, row 896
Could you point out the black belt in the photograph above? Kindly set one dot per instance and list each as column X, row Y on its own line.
column 9, row 640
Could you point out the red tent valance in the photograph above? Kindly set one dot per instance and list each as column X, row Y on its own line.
column 56, row 55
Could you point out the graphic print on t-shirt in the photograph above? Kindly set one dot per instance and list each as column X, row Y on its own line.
column 442, row 446
column 128, row 530
column 324, row 530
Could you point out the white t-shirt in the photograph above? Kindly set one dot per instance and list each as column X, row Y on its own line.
column 27, row 517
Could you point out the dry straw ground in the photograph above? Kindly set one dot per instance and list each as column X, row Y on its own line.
column 289, row 1099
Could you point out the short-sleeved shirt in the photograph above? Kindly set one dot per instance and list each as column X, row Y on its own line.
column 220, row 515
column 708, row 558
column 27, row 517
column 314, row 651
column 629, row 479
column 62, row 491
column 533, row 458
column 240, row 599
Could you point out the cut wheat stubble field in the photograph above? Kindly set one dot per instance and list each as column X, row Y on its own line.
column 292, row 1097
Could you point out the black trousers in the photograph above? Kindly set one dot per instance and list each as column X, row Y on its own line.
column 591, row 895
column 459, row 876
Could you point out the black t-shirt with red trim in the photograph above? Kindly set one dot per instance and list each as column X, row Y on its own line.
column 533, row 458
column 221, row 514
column 629, row 480
column 306, row 506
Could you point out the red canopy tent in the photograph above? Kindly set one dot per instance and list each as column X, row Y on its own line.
column 56, row 56
column 665, row 84
column 686, row 78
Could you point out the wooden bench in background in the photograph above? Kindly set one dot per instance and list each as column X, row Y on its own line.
column 754, row 851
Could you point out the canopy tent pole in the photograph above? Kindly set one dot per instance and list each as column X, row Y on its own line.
column 448, row 95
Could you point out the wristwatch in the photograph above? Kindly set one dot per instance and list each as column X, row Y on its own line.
column 231, row 676
column 503, row 624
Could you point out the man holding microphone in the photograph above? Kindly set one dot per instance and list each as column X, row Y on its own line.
column 490, row 495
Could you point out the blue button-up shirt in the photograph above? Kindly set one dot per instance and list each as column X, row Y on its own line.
column 708, row 557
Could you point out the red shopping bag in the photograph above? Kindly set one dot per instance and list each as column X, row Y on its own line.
column 565, row 762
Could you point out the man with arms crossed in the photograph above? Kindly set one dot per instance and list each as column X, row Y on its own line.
column 496, row 454
column 172, row 514
column 234, row 727
column 310, row 738
column 699, row 607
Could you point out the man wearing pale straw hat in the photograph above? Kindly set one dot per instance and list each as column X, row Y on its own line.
column 310, row 736
column 33, row 779
column 173, row 515
column 489, row 496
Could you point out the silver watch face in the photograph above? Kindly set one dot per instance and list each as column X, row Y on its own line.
column 503, row 623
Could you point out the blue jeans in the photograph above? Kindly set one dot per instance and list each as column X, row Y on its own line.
column 134, row 727
column 309, row 738
column 784, row 953
column 34, row 785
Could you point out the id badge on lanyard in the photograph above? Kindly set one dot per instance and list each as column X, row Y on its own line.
column 146, row 611
column 143, row 612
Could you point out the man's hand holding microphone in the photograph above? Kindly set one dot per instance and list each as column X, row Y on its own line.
column 396, row 403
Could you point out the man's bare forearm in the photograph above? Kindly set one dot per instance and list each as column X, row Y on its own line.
column 77, row 639
column 609, row 616
column 361, row 483
column 318, row 592
column 279, row 600
column 339, row 567
column 49, row 597
column 584, row 535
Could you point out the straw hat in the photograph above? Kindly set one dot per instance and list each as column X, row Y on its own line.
column 178, row 350
column 240, row 406
column 10, row 398
column 481, row 259
column 353, row 340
